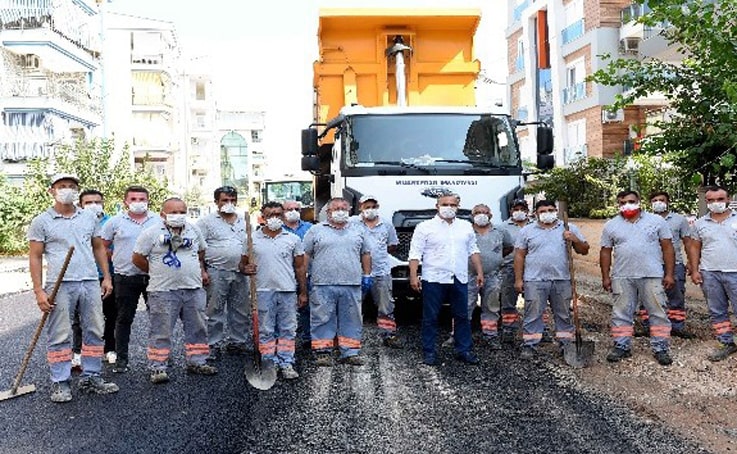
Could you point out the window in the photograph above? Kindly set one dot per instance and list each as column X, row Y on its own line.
column 576, row 141
column 256, row 135
column 200, row 91
column 201, row 121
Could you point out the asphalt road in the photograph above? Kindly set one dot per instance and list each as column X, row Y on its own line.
column 393, row 404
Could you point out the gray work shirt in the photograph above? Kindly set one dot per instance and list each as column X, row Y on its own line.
column 335, row 254
column 636, row 245
column 547, row 257
column 680, row 229
column 718, row 243
column 152, row 245
column 513, row 229
column 225, row 241
column 382, row 235
column 491, row 244
column 123, row 231
column 275, row 260
column 58, row 234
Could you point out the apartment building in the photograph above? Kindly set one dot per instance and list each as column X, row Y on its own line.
column 553, row 45
column 50, row 78
column 242, row 159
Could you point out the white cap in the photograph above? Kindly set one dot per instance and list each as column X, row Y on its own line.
column 64, row 176
column 366, row 198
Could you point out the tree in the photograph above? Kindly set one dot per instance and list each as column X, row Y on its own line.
column 701, row 132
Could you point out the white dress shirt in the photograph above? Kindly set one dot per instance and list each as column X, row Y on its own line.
column 443, row 249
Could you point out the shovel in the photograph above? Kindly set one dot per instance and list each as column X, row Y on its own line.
column 260, row 374
column 17, row 390
column 580, row 353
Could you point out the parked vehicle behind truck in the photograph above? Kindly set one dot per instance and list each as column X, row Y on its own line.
column 395, row 117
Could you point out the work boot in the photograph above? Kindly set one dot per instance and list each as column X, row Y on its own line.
column 494, row 343
column 663, row 358
column 508, row 337
column 722, row 352
column 289, row 373
column 201, row 369
column 354, row 360
column 682, row 333
column 215, row 354
column 323, row 360
column 111, row 357
column 159, row 376
column 236, row 348
column 392, row 342
column 61, row 392
column 97, row 385
column 528, row 352
column 120, row 367
column 617, row 354
column 467, row 358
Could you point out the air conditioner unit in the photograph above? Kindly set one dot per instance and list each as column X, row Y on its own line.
column 30, row 61
column 608, row 116
column 629, row 46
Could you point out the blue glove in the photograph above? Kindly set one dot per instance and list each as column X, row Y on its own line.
column 366, row 283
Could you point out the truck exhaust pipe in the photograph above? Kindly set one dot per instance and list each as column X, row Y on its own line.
column 397, row 51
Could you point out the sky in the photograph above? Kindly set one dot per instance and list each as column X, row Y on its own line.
column 261, row 54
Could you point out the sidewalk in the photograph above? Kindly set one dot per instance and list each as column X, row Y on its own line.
column 14, row 276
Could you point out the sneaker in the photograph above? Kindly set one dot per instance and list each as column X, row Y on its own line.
column 467, row 358
column 392, row 342
column 323, row 360
column 77, row 361
column 159, row 376
column 111, row 357
column 617, row 354
column 61, row 392
column 97, row 385
column 289, row 373
column 201, row 369
column 120, row 367
column 528, row 352
column 663, row 358
column 431, row 359
column 722, row 352
column 494, row 343
column 354, row 360
column 682, row 333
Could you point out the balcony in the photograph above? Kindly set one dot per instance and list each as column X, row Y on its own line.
column 633, row 12
column 68, row 99
column 654, row 43
column 517, row 13
column 61, row 33
column 572, row 32
column 574, row 93
column 519, row 63
column 150, row 62
column 28, row 133
column 574, row 153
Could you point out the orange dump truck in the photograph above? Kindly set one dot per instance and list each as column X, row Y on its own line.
column 395, row 117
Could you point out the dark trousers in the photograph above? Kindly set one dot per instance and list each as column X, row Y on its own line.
column 110, row 312
column 433, row 295
column 128, row 290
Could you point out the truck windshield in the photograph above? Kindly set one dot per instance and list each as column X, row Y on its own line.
column 301, row 191
column 430, row 140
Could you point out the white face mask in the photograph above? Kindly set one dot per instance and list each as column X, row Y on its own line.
column 227, row 208
column 292, row 216
column 548, row 217
column 519, row 216
column 717, row 207
column 339, row 216
column 629, row 207
column 482, row 220
column 66, row 196
column 659, row 206
column 176, row 220
column 370, row 213
column 447, row 212
column 274, row 224
column 138, row 207
column 94, row 208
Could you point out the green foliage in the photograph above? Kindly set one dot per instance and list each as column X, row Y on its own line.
column 590, row 185
column 701, row 90
column 96, row 166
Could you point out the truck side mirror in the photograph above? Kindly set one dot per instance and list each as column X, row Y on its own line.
column 545, row 158
column 311, row 163
column 309, row 143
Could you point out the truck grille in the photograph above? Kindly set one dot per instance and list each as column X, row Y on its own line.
column 402, row 251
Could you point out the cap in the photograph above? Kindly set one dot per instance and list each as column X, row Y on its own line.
column 519, row 202
column 64, row 176
column 366, row 198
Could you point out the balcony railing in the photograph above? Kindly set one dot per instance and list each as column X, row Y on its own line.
column 655, row 30
column 75, row 94
column 573, row 31
column 633, row 12
column 519, row 63
column 517, row 14
column 574, row 93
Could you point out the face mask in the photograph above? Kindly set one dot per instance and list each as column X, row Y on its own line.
column 548, row 217
column 176, row 220
column 481, row 220
column 274, row 224
column 370, row 213
column 66, row 196
column 717, row 207
column 94, row 208
column 659, row 207
column 519, row 216
column 138, row 207
column 227, row 208
column 447, row 212
column 339, row 216
column 292, row 216
column 629, row 210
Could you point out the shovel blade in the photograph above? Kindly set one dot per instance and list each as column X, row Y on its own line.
column 579, row 355
column 5, row 395
column 261, row 376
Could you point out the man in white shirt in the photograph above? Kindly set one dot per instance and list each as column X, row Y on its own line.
column 444, row 244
